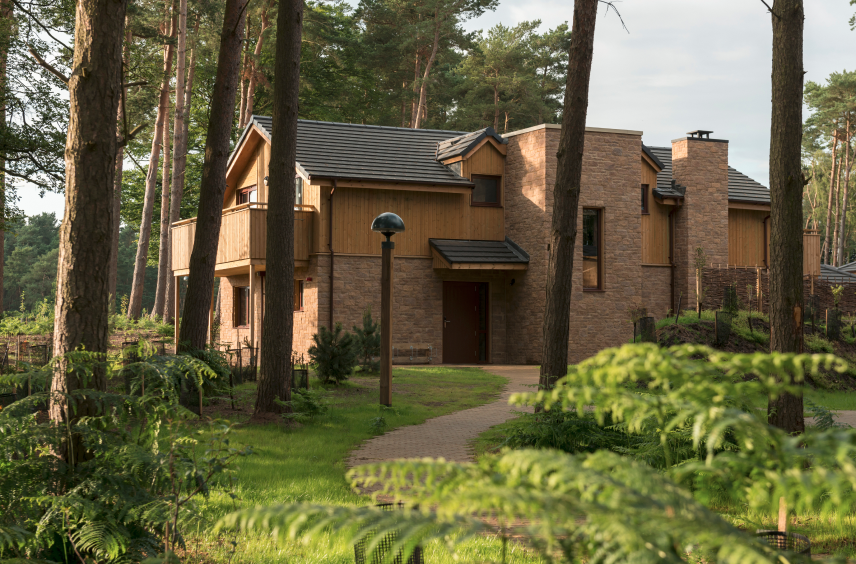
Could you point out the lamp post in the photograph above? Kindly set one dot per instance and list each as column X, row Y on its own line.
column 387, row 224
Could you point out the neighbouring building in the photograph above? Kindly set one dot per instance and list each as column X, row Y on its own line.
column 470, row 269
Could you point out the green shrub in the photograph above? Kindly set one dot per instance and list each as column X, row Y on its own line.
column 141, row 476
column 333, row 354
column 367, row 341
column 305, row 405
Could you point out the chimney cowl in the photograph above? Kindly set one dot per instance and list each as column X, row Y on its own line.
column 700, row 134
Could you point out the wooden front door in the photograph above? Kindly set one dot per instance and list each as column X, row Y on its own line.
column 465, row 322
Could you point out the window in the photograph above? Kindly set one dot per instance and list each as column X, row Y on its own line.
column 486, row 191
column 247, row 195
column 592, row 249
column 298, row 295
column 645, row 199
column 242, row 306
column 298, row 190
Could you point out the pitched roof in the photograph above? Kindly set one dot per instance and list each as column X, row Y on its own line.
column 368, row 152
column 741, row 188
column 647, row 150
column 665, row 187
column 836, row 275
column 463, row 144
column 849, row 267
column 456, row 251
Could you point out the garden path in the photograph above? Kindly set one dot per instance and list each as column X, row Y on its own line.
column 449, row 436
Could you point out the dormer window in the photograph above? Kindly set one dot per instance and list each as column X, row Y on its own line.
column 247, row 195
column 487, row 190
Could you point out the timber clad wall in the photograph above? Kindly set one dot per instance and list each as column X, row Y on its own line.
column 746, row 237
column 655, row 224
column 701, row 166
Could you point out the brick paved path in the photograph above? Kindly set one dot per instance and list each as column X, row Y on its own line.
column 448, row 436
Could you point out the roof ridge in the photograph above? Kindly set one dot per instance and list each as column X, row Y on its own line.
column 387, row 127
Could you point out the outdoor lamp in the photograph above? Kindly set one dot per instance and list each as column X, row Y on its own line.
column 387, row 224
column 266, row 180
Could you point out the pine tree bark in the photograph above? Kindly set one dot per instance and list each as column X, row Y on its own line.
column 836, row 215
column 842, row 238
column 179, row 155
column 275, row 373
column 423, row 86
column 81, row 318
column 194, row 322
column 245, row 69
column 786, row 187
column 826, row 252
column 6, row 14
column 164, row 271
column 117, row 177
column 135, row 303
column 254, row 71
column 566, row 196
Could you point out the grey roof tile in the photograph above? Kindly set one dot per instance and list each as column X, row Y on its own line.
column 369, row 152
column 836, row 275
column 741, row 188
column 457, row 251
column 463, row 144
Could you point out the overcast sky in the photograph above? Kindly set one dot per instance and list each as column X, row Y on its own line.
column 685, row 65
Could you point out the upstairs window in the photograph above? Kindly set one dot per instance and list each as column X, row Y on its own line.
column 298, row 190
column 592, row 249
column 645, row 199
column 247, row 195
column 486, row 190
column 242, row 306
column 298, row 295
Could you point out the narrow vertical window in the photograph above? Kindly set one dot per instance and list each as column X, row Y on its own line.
column 592, row 249
column 298, row 295
column 298, row 190
column 645, row 199
column 241, row 304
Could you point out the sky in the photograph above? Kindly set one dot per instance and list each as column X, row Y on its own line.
column 684, row 65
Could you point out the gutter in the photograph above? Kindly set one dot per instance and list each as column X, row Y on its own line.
column 332, row 256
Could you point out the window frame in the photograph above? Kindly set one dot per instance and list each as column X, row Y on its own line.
column 498, row 203
column 240, row 307
column 601, row 212
column 299, row 302
column 299, row 185
column 646, row 200
column 247, row 190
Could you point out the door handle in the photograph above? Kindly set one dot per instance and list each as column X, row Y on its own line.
column 445, row 321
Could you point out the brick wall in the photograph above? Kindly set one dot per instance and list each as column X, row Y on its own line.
column 656, row 282
column 702, row 221
column 611, row 175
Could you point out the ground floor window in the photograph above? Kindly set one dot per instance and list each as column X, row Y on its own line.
column 298, row 295
column 592, row 249
column 242, row 306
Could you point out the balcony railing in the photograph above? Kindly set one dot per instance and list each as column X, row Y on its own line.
column 243, row 237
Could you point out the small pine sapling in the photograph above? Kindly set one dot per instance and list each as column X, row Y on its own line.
column 837, row 293
column 750, row 288
column 367, row 339
column 333, row 354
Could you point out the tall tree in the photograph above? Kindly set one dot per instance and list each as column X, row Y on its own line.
column 135, row 303
column 275, row 374
column 121, row 122
column 253, row 70
column 164, row 270
column 786, row 187
column 194, row 322
column 6, row 25
column 81, row 318
column 183, row 93
column 566, row 195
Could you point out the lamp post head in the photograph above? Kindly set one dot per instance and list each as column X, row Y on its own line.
column 388, row 224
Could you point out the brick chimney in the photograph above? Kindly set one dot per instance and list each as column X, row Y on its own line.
column 700, row 164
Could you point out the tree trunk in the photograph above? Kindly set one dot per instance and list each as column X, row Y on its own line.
column 836, row 222
column 826, row 251
column 245, row 70
column 415, row 85
column 566, row 196
column 164, row 271
column 6, row 14
column 179, row 154
column 786, row 186
column 212, row 187
column 254, row 72
column 275, row 374
column 495, row 106
column 842, row 238
column 81, row 318
column 423, row 88
column 135, row 303
column 117, row 178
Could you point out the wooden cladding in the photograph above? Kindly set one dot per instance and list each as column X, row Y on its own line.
column 655, row 223
column 243, row 236
column 746, row 237
column 425, row 214
column 811, row 252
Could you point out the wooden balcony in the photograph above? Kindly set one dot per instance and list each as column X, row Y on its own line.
column 243, row 238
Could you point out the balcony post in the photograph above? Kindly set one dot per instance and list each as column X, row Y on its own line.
column 252, row 309
column 176, row 305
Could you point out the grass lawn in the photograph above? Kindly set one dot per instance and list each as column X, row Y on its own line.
column 306, row 463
